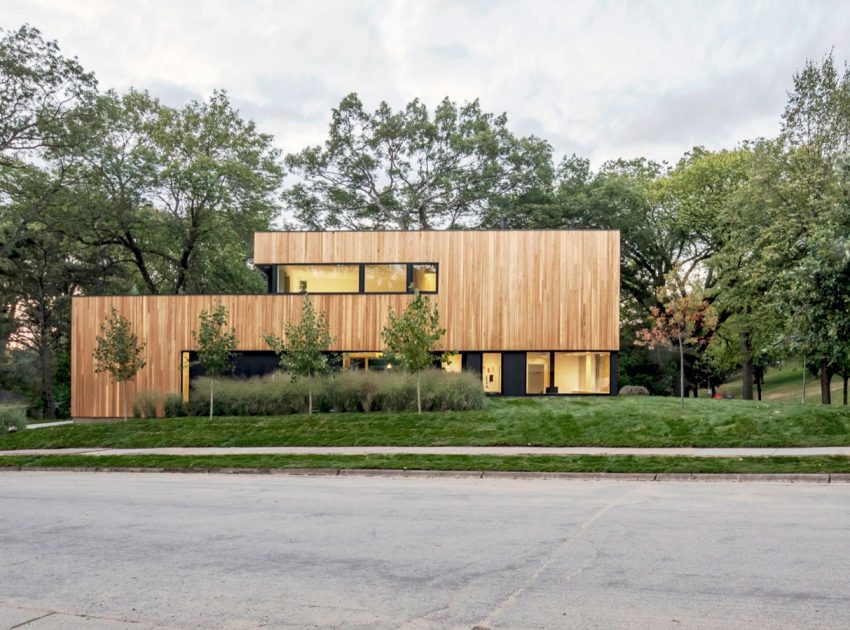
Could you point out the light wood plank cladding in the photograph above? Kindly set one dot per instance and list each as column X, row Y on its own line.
column 498, row 290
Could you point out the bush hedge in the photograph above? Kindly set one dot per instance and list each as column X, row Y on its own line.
column 12, row 417
column 277, row 394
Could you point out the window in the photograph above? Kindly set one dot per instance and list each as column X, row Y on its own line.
column 583, row 372
column 318, row 278
column 536, row 372
column 364, row 361
column 425, row 278
column 451, row 362
column 357, row 278
column 491, row 372
column 390, row 278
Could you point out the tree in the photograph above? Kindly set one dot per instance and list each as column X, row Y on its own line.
column 411, row 338
column 686, row 318
column 303, row 347
column 41, row 91
column 180, row 192
column 410, row 169
column 216, row 344
column 118, row 352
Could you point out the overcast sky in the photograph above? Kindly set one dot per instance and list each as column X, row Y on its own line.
column 600, row 79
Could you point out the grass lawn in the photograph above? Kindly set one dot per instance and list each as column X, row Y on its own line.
column 597, row 421
column 616, row 464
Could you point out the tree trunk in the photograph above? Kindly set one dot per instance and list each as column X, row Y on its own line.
column 696, row 391
column 825, row 383
column 804, row 379
column 681, row 374
column 419, row 392
column 846, row 377
column 212, row 380
column 746, row 367
column 310, row 399
column 124, row 398
column 758, row 387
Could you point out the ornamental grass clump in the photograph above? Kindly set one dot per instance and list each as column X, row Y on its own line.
column 352, row 392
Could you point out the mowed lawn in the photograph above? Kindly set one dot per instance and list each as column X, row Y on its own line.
column 602, row 421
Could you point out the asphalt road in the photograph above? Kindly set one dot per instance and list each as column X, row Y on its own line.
column 129, row 550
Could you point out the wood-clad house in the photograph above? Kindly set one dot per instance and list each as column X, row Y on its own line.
column 534, row 312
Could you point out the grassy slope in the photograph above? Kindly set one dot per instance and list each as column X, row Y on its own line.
column 785, row 384
column 602, row 421
column 618, row 464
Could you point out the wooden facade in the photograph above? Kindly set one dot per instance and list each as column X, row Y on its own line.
column 498, row 290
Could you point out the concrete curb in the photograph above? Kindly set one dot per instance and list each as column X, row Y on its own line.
column 819, row 478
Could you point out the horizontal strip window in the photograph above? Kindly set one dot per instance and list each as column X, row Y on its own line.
column 350, row 278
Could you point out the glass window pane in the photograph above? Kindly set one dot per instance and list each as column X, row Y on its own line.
column 425, row 278
column 385, row 278
column 491, row 372
column 451, row 362
column 318, row 279
column 536, row 372
column 583, row 372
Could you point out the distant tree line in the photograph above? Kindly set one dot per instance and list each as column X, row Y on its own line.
column 106, row 193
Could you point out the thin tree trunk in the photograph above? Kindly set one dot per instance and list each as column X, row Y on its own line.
column 846, row 377
column 696, row 391
column 124, row 398
column 419, row 392
column 681, row 374
column 825, row 379
column 212, row 380
column 310, row 399
column 746, row 367
column 804, row 379
column 758, row 387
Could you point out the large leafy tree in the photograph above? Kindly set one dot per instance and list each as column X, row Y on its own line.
column 413, row 169
column 41, row 93
column 181, row 192
column 304, row 346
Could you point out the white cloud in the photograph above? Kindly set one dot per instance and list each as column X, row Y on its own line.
column 601, row 79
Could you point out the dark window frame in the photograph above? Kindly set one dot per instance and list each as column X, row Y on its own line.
column 361, row 275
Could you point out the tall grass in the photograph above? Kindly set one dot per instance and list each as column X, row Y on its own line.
column 278, row 394
column 12, row 417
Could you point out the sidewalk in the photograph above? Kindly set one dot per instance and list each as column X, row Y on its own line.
column 446, row 450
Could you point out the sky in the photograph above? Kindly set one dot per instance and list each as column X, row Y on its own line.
column 602, row 79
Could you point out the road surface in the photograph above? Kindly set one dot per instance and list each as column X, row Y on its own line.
column 111, row 551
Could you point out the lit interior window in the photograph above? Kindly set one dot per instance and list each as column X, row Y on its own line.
column 491, row 372
column 451, row 362
column 536, row 372
column 385, row 278
column 318, row 279
column 583, row 372
column 425, row 278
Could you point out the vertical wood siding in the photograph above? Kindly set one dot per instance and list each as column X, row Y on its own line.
column 498, row 290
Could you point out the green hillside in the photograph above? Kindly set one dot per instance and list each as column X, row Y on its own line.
column 785, row 384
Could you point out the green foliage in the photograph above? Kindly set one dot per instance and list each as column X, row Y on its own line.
column 411, row 337
column 354, row 391
column 173, row 406
column 413, row 169
column 146, row 404
column 117, row 349
column 216, row 342
column 303, row 348
column 12, row 417
column 304, row 345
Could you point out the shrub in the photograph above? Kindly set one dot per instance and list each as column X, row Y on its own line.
column 634, row 390
column 12, row 418
column 173, row 406
column 146, row 404
column 278, row 394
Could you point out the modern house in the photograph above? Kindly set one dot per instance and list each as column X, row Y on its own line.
column 534, row 312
